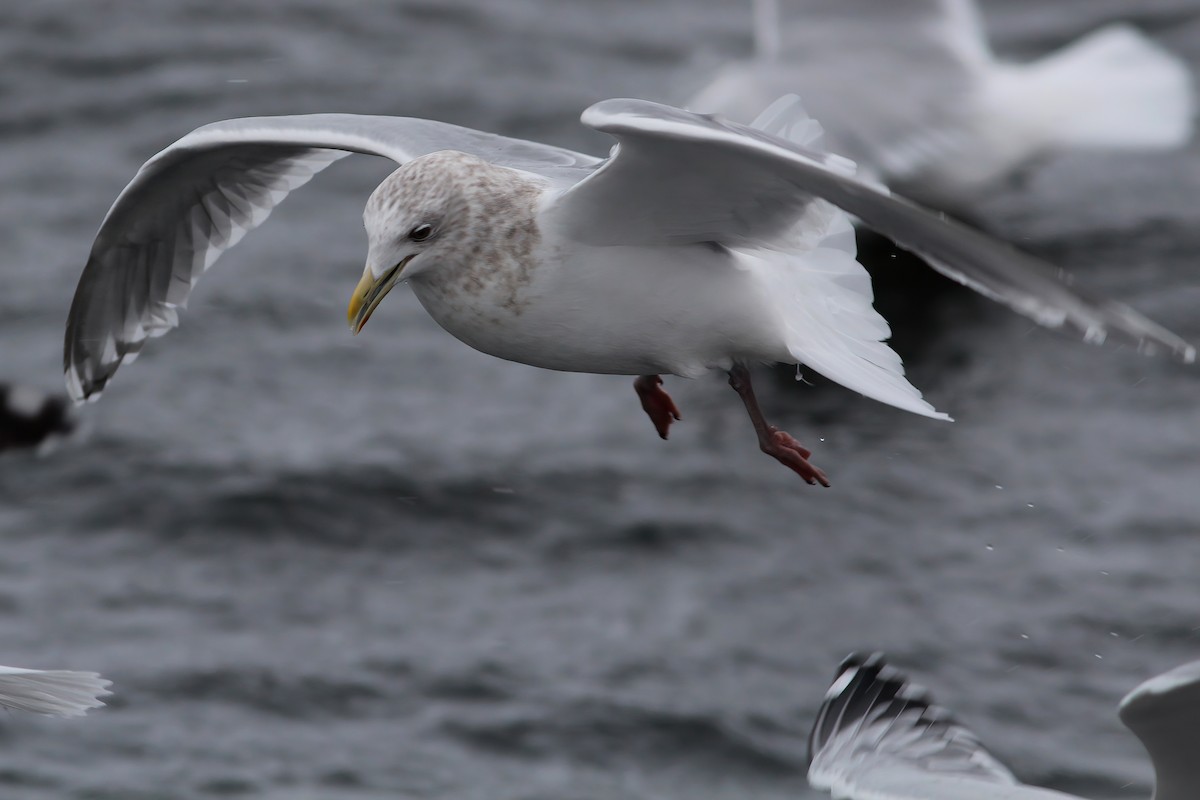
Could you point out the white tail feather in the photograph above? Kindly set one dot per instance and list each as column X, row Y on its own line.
column 1113, row 88
column 57, row 692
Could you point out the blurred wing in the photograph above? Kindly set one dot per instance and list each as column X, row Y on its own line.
column 943, row 35
column 1164, row 712
column 676, row 177
column 60, row 693
column 892, row 82
column 197, row 198
column 879, row 737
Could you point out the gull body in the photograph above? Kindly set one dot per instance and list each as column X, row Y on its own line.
column 878, row 736
column 697, row 244
column 629, row 323
column 516, row 289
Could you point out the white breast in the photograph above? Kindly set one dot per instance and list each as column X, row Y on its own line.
column 617, row 310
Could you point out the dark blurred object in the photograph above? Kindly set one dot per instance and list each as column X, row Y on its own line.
column 30, row 417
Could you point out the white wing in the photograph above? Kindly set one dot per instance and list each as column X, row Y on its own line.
column 197, row 198
column 678, row 177
column 879, row 737
column 941, row 35
column 892, row 82
column 1164, row 712
column 58, row 692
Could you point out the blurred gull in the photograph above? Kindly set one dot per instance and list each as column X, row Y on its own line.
column 695, row 245
column 910, row 90
column 879, row 737
column 57, row 692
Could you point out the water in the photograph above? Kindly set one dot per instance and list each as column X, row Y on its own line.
column 388, row 566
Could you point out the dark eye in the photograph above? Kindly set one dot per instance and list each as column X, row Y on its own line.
column 420, row 233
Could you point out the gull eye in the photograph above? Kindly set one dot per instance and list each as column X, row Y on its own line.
column 421, row 233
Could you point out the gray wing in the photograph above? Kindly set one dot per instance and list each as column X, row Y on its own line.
column 1164, row 712
column 878, row 736
column 57, row 692
column 198, row 197
column 678, row 177
column 892, row 82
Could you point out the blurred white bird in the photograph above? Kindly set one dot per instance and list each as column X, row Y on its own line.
column 878, row 736
column 57, row 692
column 910, row 90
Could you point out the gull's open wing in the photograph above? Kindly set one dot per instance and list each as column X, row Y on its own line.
column 1164, row 712
column 197, row 198
column 678, row 177
column 879, row 737
column 58, row 692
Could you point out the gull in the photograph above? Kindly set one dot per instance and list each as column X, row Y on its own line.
column 911, row 90
column 697, row 244
column 56, row 692
column 879, row 737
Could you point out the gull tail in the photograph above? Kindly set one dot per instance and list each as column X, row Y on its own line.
column 57, row 692
column 1114, row 88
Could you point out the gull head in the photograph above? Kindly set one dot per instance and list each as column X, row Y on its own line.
column 418, row 220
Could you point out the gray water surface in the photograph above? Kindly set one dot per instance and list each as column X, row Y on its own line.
column 318, row 566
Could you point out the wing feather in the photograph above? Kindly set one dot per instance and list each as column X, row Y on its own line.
column 200, row 196
column 878, row 736
column 57, row 692
column 678, row 177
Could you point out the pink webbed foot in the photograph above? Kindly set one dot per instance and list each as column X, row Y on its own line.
column 780, row 445
column 657, row 404
column 784, row 448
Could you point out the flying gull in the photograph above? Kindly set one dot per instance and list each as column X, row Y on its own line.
column 697, row 244
column 879, row 737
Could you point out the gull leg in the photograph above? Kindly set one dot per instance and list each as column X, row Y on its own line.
column 778, row 444
column 657, row 404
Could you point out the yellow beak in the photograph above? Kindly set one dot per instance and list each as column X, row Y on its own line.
column 370, row 293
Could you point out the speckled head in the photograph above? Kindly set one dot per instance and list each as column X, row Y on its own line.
column 447, row 216
column 423, row 204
